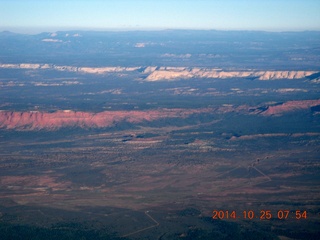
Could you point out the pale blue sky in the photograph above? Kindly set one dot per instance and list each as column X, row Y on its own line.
column 52, row 15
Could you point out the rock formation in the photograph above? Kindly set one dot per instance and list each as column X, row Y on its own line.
column 35, row 120
column 212, row 73
column 171, row 73
column 290, row 106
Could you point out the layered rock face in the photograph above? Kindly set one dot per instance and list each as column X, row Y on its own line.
column 290, row 106
column 171, row 73
column 51, row 121
column 34, row 120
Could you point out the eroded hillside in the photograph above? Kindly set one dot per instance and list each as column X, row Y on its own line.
column 153, row 73
column 36, row 120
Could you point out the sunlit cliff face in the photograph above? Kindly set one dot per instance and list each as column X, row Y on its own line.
column 171, row 73
column 211, row 73
column 35, row 120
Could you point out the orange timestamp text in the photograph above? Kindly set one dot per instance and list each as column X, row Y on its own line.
column 262, row 214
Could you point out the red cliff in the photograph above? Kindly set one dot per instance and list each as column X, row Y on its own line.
column 290, row 106
column 35, row 120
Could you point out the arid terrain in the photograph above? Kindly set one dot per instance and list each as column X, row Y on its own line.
column 145, row 136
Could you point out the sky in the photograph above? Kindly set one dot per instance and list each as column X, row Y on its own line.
column 52, row 15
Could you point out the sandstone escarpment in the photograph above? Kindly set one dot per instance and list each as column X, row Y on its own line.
column 171, row 73
column 290, row 106
column 35, row 120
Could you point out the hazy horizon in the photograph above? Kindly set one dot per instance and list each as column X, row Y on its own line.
column 35, row 31
column 32, row 16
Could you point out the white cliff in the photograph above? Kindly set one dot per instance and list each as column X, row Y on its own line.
column 155, row 73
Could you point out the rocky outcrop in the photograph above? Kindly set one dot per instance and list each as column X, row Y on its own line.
column 290, row 106
column 171, row 73
column 103, row 70
column 35, row 120
column 91, row 70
